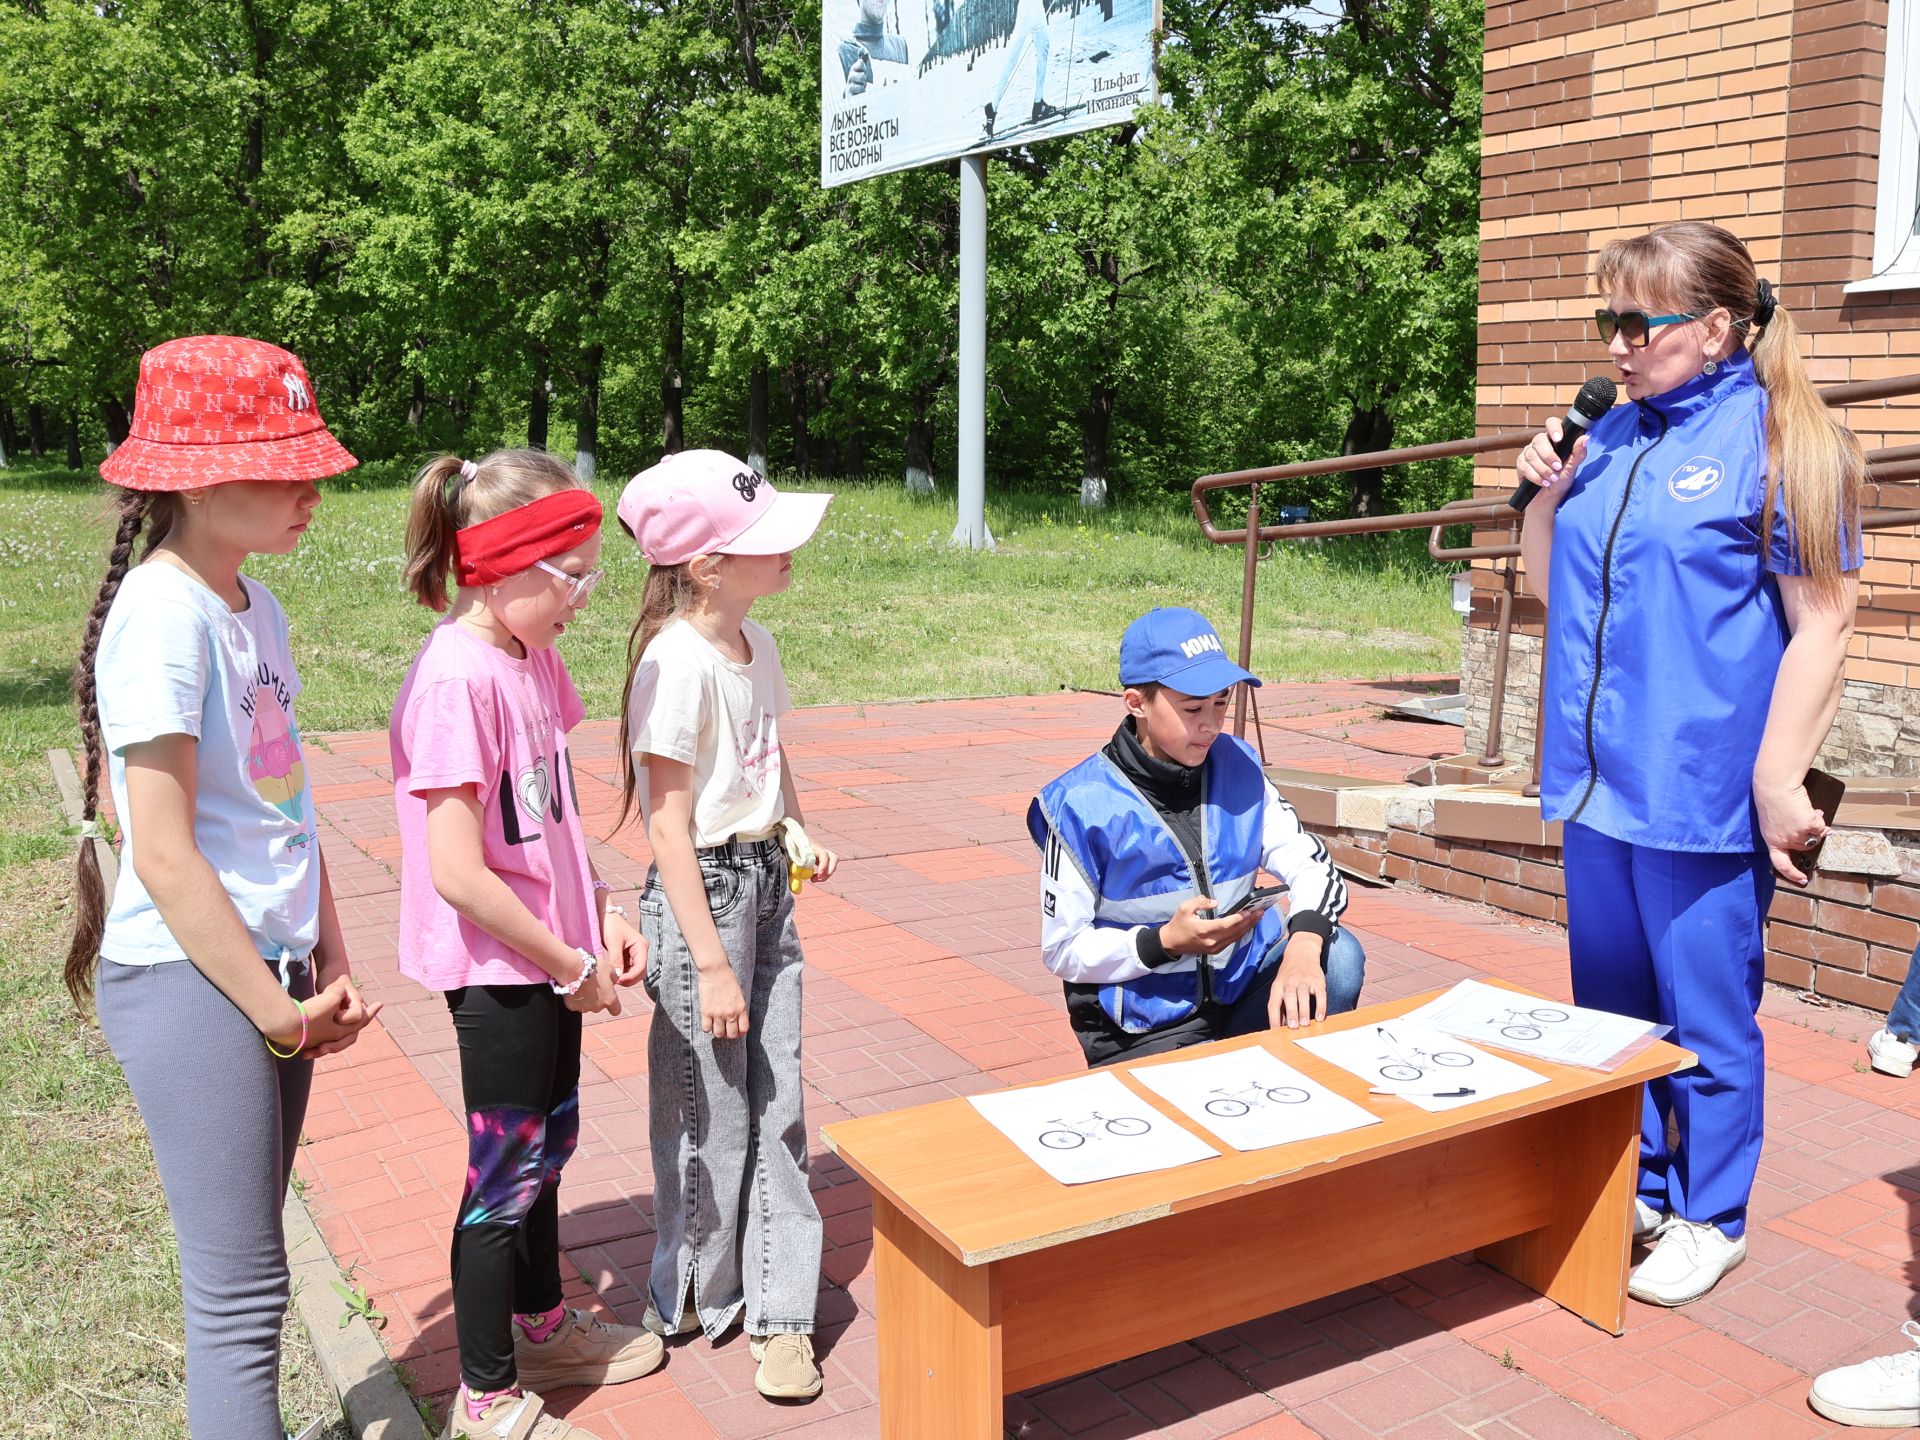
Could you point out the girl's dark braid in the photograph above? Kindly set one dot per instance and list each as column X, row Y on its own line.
column 91, row 910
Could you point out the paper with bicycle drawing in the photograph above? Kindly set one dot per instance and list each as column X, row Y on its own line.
column 1252, row 1099
column 1428, row 1068
column 1542, row 1029
column 1090, row 1128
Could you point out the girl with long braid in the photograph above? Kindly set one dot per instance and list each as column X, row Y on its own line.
column 221, row 972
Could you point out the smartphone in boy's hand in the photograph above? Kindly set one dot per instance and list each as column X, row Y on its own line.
column 1261, row 897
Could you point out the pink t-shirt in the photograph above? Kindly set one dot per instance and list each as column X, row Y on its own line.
column 471, row 714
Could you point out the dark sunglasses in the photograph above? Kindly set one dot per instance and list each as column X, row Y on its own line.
column 1635, row 325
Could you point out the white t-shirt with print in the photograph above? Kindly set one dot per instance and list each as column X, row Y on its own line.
column 692, row 704
column 175, row 659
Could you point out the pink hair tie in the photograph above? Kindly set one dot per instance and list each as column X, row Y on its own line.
column 458, row 481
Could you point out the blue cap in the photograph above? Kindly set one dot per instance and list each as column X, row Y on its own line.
column 1178, row 648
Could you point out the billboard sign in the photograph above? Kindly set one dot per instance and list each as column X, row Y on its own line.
column 916, row 82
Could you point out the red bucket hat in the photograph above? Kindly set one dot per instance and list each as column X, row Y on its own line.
column 214, row 408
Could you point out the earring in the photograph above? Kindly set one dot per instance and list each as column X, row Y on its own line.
column 1712, row 367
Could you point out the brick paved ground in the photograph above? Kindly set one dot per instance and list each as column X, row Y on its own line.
column 925, row 984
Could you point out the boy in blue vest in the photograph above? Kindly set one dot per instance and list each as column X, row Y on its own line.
column 1145, row 843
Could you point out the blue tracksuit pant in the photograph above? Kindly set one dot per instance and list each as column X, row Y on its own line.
column 1679, row 937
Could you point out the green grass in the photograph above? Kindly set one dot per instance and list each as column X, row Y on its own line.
column 90, row 1329
column 881, row 609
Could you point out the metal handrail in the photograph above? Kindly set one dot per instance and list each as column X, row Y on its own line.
column 1894, row 464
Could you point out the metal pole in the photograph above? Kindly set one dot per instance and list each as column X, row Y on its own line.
column 1532, row 788
column 1492, row 753
column 1247, row 578
column 970, row 529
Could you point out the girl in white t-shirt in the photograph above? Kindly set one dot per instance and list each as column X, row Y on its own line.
column 735, row 1223
column 219, row 970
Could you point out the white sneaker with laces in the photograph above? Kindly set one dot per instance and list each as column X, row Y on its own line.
column 1646, row 1219
column 1883, row 1392
column 1687, row 1261
column 1890, row 1054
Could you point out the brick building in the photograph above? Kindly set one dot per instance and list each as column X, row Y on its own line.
column 1791, row 122
column 1796, row 124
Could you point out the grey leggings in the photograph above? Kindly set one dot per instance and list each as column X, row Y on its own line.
column 224, row 1117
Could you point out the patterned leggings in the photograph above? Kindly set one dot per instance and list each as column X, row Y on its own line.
column 519, row 1080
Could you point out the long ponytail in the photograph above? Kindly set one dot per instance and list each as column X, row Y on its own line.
column 1815, row 466
column 669, row 593
column 138, row 510
column 450, row 493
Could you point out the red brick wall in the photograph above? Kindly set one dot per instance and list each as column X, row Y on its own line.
column 1761, row 115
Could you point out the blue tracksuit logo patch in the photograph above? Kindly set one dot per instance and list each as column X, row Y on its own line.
column 1696, row 479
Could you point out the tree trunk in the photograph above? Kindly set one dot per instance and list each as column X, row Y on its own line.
column 6, row 429
column 74, row 458
column 920, row 444
column 539, row 401
column 797, row 400
column 757, row 417
column 37, row 430
column 1096, row 430
column 672, row 375
column 856, row 454
column 417, row 406
column 1367, row 430
column 10, row 430
column 253, row 150
column 114, row 416
column 586, row 457
column 828, row 461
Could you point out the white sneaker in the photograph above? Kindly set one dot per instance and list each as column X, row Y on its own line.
column 1883, row 1392
column 1890, row 1054
column 1646, row 1219
column 1687, row 1261
column 689, row 1322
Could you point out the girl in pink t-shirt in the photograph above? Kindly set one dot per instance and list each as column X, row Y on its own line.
column 500, row 909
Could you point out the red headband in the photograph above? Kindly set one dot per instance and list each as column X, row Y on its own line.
column 507, row 544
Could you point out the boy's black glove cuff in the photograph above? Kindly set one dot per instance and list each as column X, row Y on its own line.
column 1313, row 922
column 1152, row 953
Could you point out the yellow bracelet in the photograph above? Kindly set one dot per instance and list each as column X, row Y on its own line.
column 301, row 1006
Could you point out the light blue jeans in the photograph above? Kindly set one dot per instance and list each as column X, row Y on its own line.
column 735, row 1223
column 1904, row 1018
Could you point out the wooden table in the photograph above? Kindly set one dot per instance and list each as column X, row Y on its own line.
column 993, row 1277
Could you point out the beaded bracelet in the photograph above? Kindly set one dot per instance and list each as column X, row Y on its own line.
column 301, row 1006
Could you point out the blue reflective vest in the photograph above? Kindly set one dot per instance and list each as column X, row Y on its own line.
column 1665, row 623
column 1139, row 873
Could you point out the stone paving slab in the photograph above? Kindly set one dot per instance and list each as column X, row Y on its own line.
column 925, row 984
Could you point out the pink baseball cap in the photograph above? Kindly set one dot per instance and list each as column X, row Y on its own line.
column 705, row 502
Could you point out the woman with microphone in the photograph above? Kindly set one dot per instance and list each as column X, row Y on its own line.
column 1697, row 551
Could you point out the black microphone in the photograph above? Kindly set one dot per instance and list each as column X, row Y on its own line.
column 1596, row 397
